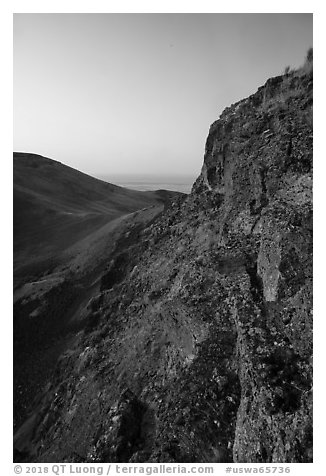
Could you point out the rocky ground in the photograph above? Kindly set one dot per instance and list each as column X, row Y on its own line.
column 197, row 346
column 51, row 307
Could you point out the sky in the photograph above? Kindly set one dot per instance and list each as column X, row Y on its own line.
column 136, row 93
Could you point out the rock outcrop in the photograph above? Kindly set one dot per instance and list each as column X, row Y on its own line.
column 200, row 351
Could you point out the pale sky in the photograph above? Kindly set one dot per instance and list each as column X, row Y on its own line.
column 136, row 93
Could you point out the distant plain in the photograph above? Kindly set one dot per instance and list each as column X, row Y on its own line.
column 150, row 182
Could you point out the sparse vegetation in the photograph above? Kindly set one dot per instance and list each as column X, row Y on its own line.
column 309, row 57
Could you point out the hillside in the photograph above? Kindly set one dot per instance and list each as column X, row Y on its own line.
column 198, row 345
column 67, row 225
column 55, row 206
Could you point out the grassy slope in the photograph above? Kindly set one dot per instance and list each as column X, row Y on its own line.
column 66, row 225
column 55, row 206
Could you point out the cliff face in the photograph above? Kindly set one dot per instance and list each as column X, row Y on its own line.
column 258, row 168
column 198, row 348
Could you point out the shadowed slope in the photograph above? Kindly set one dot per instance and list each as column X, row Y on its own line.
column 66, row 228
column 55, row 206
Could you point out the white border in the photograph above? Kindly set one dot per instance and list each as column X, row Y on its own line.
column 6, row 90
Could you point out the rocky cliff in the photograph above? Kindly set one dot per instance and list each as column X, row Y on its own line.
column 198, row 347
